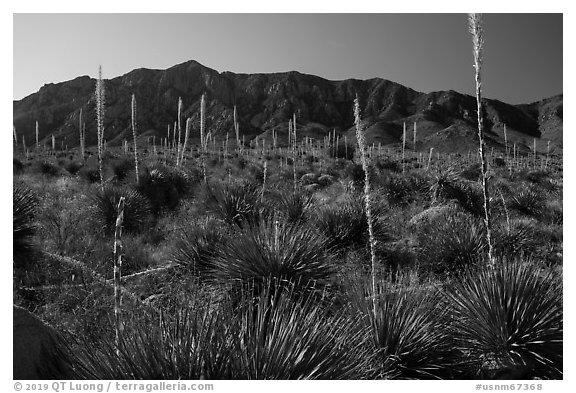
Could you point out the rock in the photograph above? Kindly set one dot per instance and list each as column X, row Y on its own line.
column 38, row 350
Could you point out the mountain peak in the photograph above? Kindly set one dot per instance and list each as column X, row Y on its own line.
column 268, row 101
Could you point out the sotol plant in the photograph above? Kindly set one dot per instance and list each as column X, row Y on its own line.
column 509, row 318
column 100, row 104
column 134, row 135
column 476, row 29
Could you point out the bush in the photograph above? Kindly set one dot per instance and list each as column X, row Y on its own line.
column 528, row 202
column 137, row 212
column 90, row 174
column 400, row 189
column 17, row 165
column 451, row 242
column 409, row 335
column 284, row 336
column 24, row 208
column 518, row 239
column 472, row 173
column 355, row 173
column 270, row 335
column 509, row 320
column 283, row 252
column 196, row 248
column 164, row 187
column 388, row 164
column 73, row 167
column 346, row 225
column 121, row 167
column 295, row 205
column 239, row 205
column 446, row 186
column 47, row 168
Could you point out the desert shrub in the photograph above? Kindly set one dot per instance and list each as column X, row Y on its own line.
column 520, row 238
column 472, row 172
column 508, row 319
column 24, row 209
column 160, row 347
column 528, row 201
column 499, row 162
column 64, row 224
column 257, row 173
column 295, row 205
column 445, row 186
column 240, row 162
column 388, row 165
column 47, row 168
column 137, row 255
column 237, row 204
column 90, row 173
column 196, row 247
column 283, row 335
column 121, row 167
column 401, row 189
column 137, row 211
column 284, row 252
column 451, row 242
column 345, row 224
column 285, row 338
column 73, row 167
column 164, row 187
column 396, row 256
column 408, row 333
column 355, row 173
column 17, row 165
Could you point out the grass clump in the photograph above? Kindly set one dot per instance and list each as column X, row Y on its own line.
column 196, row 248
column 271, row 334
column 450, row 242
column 137, row 210
column 283, row 252
column 509, row 320
column 346, row 225
column 408, row 331
column 237, row 204
column 24, row 209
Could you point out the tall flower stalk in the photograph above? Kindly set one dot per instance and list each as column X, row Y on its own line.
column 403, row 146
column 476, row 29
column 37, row 136
column 178, row 149
column 414, row 136
column 118, row 248
column 236, row 129
column 134, row 134
column 81, row 130
column 186, row 135
column 100, row 104
column 292, row 131
column 365, row 166
column 203, row 139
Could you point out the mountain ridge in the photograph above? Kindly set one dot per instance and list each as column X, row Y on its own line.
column 266, row 101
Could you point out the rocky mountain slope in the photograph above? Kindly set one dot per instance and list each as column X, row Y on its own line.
column 445, row 120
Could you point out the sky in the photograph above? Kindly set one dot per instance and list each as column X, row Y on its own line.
column 426, row 52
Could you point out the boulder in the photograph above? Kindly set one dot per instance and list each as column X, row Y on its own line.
column 39, row 351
